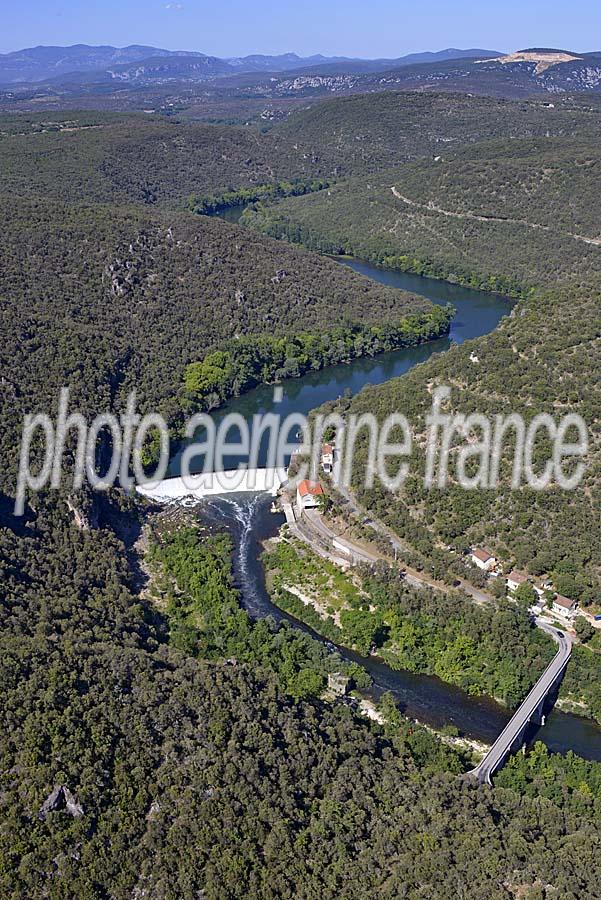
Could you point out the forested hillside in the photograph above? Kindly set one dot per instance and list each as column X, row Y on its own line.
column 185, row 777
column 104, row 157
column 107, row 300
column 159, row 743
column 517, row 219
column 121, row 159
column 374, row 131
column 463, row 216
column 543, row 358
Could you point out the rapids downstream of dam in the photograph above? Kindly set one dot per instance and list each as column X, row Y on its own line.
column 247, row 517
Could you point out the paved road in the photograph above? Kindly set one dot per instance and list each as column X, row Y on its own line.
column 303, row 531
column 319, row 527
column 412, row 577
column 314, row 529
column 514, row 730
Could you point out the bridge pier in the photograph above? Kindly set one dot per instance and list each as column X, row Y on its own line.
column 539, row 712
column 531, row 710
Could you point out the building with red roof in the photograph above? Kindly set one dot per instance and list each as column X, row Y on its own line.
column 308, row 494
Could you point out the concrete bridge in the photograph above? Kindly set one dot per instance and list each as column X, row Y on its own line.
column 531, row 710
column 215, row 484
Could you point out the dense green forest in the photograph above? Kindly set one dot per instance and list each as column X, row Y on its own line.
column 493, row 649
column 553, row 776
column 580, row 689
column 530, row 218
column 242, row 364
column 108, row 300
column 371, row 132
column 462, row 216
column 159, row 742
column 135, row 158
column 140, row 159
column 206, row 620
column 192, row 584
column 195, row 775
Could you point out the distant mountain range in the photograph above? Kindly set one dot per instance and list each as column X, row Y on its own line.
column 524, row 73
column 268, row 87
column 140, row 64
column 283, row 62
column 41, row 63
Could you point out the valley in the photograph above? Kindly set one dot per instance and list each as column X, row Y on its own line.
column 204, row 700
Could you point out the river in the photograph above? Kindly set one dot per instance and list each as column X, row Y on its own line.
column 425, row 698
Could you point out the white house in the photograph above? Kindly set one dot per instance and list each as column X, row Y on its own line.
column 514, row 580
column 564, row 607
column 308, row 494
column 327, row 457
column 483, row 559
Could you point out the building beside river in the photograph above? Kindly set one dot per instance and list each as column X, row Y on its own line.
column 308, row 494
column 338, row 683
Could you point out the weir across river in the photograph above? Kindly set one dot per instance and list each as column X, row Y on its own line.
column 215, row 484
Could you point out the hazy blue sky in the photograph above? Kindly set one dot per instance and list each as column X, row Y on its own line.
column 344, row 27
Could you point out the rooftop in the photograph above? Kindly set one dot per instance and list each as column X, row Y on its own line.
column 517, row 577
column 310, row 487
column 564, row 601
column 483, row 554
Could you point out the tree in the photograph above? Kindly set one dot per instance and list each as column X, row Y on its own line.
column 567, row 585
column 497, row 587
column 526, row 594
column 362, row 628
column 583, row 629
column 548, row 597
column 324, row 503
column 305, row 683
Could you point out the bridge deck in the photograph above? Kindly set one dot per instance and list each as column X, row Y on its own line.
column 515, row 728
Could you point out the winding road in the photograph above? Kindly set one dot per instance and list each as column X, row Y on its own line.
column 450, row 214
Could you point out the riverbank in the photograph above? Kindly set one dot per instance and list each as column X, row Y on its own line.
column 420, row 697
column 222, row 205
column 216, row 381
column 420, row 629
column 477, row 313
column 464, row 714
column 466, row 746
column 182, row 549
column 247, row 362
column 266, row 220
column 345, row 536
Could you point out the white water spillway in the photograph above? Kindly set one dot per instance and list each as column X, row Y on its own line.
column 215, row 484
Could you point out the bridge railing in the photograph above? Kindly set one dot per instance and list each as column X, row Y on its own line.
column 513, row 732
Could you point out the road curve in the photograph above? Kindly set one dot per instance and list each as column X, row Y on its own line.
column 514, row 730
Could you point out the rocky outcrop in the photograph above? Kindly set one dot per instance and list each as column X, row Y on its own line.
column 61, row 799
column 85, row 515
